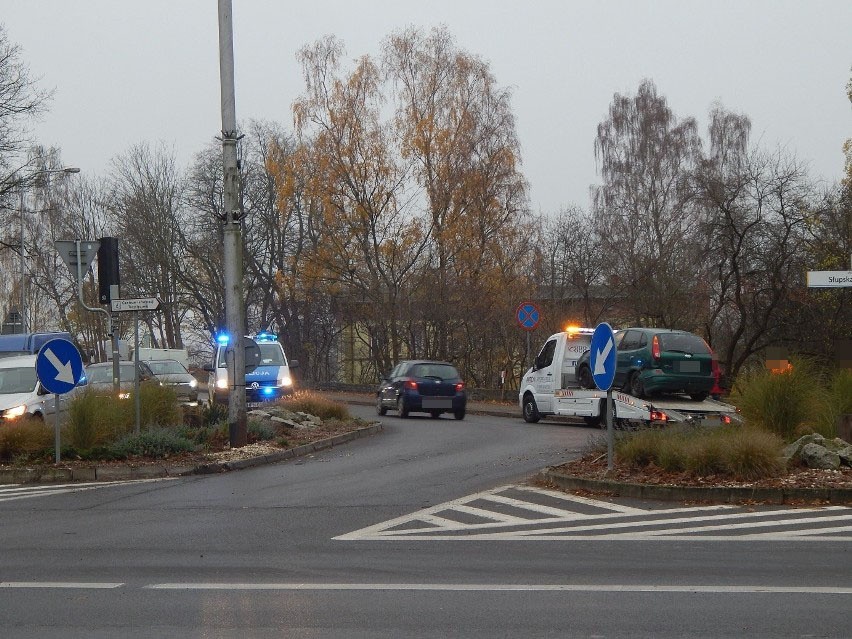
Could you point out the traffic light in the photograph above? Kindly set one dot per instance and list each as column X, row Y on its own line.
column 108, row 269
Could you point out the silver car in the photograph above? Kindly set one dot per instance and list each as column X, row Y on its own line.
column 172, row 373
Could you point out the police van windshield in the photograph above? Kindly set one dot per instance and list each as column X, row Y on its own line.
column 271, row 354
column 17, row 380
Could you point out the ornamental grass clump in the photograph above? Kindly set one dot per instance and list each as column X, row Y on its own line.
column 730, row 451
column 24, row 437
column 313, row 404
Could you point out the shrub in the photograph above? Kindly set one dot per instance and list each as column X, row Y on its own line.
column 787, row 403
column 313, row 404
column 26, row 437
column 213, row 414
column 259, row 431
column 156, row 443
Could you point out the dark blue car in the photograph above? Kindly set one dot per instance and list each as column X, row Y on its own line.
column 422, row 386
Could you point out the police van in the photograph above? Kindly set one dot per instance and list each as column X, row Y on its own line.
column 271, row 379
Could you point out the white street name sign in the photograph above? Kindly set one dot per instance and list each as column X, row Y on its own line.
column 137, row 304
column 829, row 279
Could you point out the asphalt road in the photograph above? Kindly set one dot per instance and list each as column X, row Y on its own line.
column 319, row 547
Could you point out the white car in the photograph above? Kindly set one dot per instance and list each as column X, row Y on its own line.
column 21, row 393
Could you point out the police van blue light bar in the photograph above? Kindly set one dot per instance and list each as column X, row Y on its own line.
column 222, row 338
column 265, row 336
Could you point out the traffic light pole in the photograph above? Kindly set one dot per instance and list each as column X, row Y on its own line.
column 232, row 233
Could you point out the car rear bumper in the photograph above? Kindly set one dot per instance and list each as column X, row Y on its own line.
column 661, row 382
column 425, row 403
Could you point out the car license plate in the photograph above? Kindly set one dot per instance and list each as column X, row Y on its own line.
column 689, row 367
column 437, row 402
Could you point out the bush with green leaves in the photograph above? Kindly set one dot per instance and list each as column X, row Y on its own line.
column 156, row 443
column 732, row 451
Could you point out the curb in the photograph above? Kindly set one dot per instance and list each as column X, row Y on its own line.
column 123, row 473
column 713, row 494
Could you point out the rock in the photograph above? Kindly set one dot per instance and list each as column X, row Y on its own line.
column 815, row 456
column 845, row 455
column 793, row 450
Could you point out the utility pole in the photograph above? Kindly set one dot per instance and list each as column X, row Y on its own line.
column 233, row 242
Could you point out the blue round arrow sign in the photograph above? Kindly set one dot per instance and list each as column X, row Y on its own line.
column 602, row 356
column 59, row 366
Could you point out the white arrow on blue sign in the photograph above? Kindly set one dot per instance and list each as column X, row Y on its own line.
column 602, row 356
column 59, row 366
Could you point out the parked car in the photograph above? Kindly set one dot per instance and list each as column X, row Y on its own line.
column 422, row 386
column 99, row 376
column 172, row 373
column 21, row 393
column 657, row 360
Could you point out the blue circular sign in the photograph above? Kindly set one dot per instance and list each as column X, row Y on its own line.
column 602, row 356
column 528, row 316
column 59, row 366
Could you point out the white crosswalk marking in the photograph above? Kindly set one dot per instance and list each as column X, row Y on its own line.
column 528, row 513
column 18, row 491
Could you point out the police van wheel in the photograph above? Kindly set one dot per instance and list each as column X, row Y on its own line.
column 531, row 415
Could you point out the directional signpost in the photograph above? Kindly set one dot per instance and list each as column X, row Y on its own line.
column 59, row 368
column 602, row 358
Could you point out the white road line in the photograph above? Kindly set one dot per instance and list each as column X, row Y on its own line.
column 60, row 584
column 587, row 501
column 526, row 505
column 537, row 528
column 42, row 490
column 826, row 590
column 490, row 514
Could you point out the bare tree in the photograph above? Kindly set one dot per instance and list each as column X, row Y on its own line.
column 146, row 202
column 645, row 210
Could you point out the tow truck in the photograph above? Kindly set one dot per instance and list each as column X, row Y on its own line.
column 551, row 387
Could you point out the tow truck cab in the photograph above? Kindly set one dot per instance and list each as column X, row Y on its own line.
column 271, row 379
column 555, row 367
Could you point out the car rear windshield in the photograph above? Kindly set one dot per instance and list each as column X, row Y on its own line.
column 17, row 380
column 167, row 367
column 683, row 343
column 441, row 371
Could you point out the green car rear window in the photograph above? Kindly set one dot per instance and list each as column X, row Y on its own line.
column 683, row 343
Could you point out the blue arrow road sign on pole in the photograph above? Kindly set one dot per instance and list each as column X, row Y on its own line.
column 59, row 366
column 602, row 356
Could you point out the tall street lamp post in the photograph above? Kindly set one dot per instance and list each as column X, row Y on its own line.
column 23, row 309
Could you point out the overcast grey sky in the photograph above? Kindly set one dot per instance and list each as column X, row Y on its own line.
column 126, row 72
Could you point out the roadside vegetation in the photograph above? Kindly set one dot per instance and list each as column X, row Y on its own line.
column 100, row 427
column 777, row 408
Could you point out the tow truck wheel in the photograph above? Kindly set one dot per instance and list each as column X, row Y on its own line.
column 531, row 415
column 584, row 377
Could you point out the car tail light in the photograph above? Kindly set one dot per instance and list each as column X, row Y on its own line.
column 460, row 386
column 410, row 384
column 655, row 347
